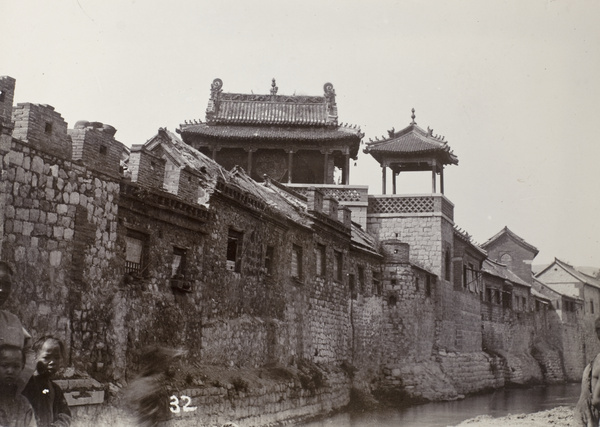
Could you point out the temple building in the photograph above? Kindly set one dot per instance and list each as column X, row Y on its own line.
column 293, row 139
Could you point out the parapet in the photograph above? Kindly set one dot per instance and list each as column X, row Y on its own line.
column 94, row 144
column 39, row 126
column 147, row 169
column 7, row 95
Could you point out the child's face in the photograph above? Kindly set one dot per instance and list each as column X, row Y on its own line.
column 11, row 364
column 49, row 358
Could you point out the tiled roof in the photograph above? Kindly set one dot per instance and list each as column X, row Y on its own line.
column 411, row 141
column 273, row 109
column 264, row 109
column 502, row 271
column 212, row 172
column 508, row 232
column 363, row 240
column 539, row 295
column 328, row 133
column 580, row 276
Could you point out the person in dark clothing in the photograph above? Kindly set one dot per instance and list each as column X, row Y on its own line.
column 15, row 410
column 47, row 399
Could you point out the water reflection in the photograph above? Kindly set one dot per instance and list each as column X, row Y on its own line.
column 440, row 414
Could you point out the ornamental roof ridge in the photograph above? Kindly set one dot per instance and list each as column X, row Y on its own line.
column 244, row 108
column 462, row 234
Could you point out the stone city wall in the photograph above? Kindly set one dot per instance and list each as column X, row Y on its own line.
column 61, row 218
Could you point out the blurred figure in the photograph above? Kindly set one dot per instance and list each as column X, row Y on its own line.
column 11, row 330
column 15, row 410
column 148, row 394
column 587, row 411
column 47, row 399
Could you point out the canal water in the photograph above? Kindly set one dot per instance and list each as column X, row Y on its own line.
column 440, row 414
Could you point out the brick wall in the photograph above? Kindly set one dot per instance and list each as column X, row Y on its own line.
column 521, row 257
column 97, row 148
column 148, row 169
column 41, row 127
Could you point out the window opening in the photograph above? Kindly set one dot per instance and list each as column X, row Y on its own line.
column 361, row 279
column 135, row 248
column 48, row 127
column 352, row 285
column 337, row 266
column 234, row 250
column 376, row 280
column 178, row 270
column 392, row 300
column 296, row 262
column 447, row 265
column 320, row 259
column 269, row 256
column 103, row 149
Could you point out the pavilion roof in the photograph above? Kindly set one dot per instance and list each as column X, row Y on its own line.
column 411, row 142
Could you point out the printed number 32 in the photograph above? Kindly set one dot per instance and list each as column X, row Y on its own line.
column 176, row 408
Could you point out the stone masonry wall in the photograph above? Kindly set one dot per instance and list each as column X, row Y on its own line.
column 422, row 233
column 61, row 218
column 271, row 402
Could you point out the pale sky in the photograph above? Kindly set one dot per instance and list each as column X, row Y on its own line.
column 514, row 86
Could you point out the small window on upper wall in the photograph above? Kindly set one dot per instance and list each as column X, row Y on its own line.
column 506, row 259
column 296, row 262
column 320, row 259
column 103, row 149
column 178, row 264
column 269, row 259
column 2, row 95
column 352, row 285
column 447, row 264
column 428, row 285
column 234, row 250
column 376, row 282
column 361, row 279
column 48, row 127
column 135, row 252
column 337, row 266
column 178, row 270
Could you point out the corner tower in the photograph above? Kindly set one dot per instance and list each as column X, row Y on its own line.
column 291, row 138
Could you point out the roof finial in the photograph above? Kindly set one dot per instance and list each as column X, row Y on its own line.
column 413, row 117
column 274, row 88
